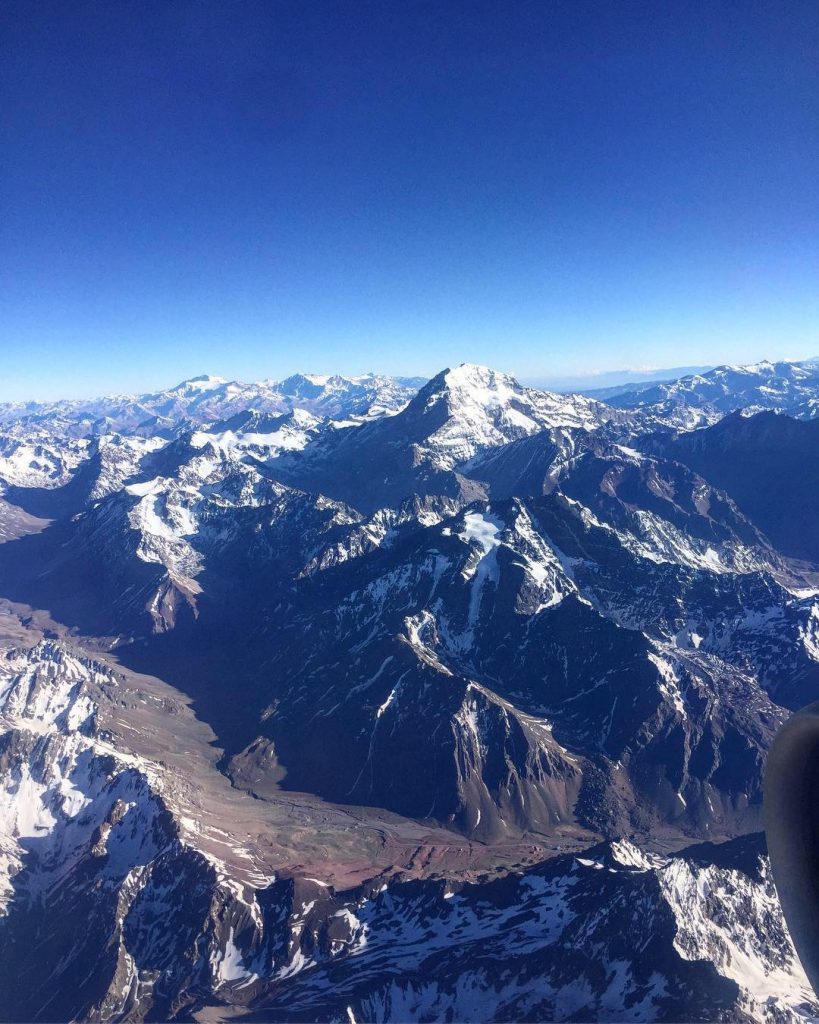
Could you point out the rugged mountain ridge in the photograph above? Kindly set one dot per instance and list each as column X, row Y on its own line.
column 443, row 649
column 42, row 443
column 702, row 398
column 459, row 413
column 143, row 920
column 205, row 399
column 768, row 463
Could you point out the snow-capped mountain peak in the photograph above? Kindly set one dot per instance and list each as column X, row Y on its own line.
column 485, row 408
column 471, row 385
column 41, row 444
column 475, row 374
column 203, row 382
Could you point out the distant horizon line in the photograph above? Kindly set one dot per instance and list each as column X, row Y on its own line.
column 564, row 383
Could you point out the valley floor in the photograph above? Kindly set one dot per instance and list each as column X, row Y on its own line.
column 292, row 908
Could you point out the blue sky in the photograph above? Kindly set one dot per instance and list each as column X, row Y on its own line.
column 249, row 189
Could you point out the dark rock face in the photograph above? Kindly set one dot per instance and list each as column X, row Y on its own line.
column 494, row 619
column 769, row 464
column 451, row 651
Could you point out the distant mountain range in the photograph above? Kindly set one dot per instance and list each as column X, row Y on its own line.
column 609, row 381
column 361, row 698
column 781, row 387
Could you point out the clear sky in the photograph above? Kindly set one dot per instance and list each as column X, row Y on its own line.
column 249, row 189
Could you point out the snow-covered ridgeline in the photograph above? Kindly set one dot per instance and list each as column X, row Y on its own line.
column 609, row 934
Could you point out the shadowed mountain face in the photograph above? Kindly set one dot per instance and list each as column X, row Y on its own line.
column 426, row 649
column 769, row 464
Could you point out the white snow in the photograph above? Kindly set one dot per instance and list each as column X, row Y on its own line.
column 484, row 529
column 228, row 963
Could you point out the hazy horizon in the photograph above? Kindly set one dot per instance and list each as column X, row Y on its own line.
column 589, row 382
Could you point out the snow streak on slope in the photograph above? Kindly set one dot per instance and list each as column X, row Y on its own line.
column 598, row 937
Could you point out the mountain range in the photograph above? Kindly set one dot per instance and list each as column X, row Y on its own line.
column 376, row 699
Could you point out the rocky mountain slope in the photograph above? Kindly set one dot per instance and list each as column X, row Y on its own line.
column 702, row 398
column 137, row 909
column 769, row 464
column 41, row 443
column 206, row 399
column 399, row 708
column 459, row 413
